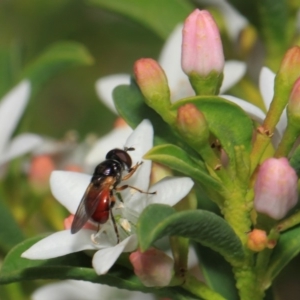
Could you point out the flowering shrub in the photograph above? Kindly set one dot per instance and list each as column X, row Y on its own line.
column 234, row 201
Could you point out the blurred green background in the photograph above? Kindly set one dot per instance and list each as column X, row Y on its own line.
column 68, row 99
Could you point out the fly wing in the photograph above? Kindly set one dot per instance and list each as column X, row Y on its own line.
column 87, row 206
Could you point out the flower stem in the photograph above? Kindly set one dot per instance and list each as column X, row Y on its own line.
column 259, row 147
column 289, row 222
column 247, row 283
column 200, row 289
column 289, row 137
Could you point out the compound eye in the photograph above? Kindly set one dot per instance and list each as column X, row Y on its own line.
column 121, row 156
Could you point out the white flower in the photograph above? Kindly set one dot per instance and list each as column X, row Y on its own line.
column 12, row 106
column 170, row 60
column 114, row 139
column 68, row 188
column 78, row 290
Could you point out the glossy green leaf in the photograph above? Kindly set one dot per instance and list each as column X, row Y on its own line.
column 57, row 58
column 131, row 106
column 217, row 272
column 159, row 16
column 288, row 246
column 10, row 232
column 74, row 266
column 159, row 220
column 177, row 159
column 227, row 121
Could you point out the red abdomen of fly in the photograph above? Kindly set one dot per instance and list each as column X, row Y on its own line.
column 101, row 213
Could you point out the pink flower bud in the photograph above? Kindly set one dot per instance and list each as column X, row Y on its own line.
column 153, row 267
column 151, row 79
column 275, row 188
column 290, row 65
column 257, row 240
column 192, row 124
column 202, row 50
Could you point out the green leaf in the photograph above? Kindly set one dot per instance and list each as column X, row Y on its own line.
column 6, row 70
column 227, row 121
column 130, row 104
column 159, row 220
column 288, row 246
column 217, row 272
column 159, row 16
column 57, row 58
column 10, row 232
column 177, row 159
column 74, row 266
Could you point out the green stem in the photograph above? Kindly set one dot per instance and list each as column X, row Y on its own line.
column 289, row 222
column 289, row 137
column 260, row 145
column 214, row 163
column 236, row 210
column 247, row 283
column 200, row 289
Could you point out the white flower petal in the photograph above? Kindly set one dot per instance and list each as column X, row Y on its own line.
column 63, row 242
column 11, row 108
column 106, row 85
column 69, row 187
column 78, row 290
column 114, row 139
column 170, row 190
column 266, row 85
column 170, row 57
column 69, row 290
column 170, row 60
column 253, row 111
column 233, row 71
column 105, row 258
column 142, row 141
column 20, row 145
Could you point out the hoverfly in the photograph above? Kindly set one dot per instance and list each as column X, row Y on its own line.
column 99, row 199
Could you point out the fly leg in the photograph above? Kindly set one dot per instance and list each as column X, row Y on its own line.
column 125, row 186
column 131, row 171
column 112, row 203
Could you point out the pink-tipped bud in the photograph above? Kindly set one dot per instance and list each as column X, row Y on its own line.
column 202, row 50
column 257, row 240
column 153, row 267
column 153, row 84
column 290, row 65
column 288, row 73
column 192, row 125
column 275, row 188
column 151, row 79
